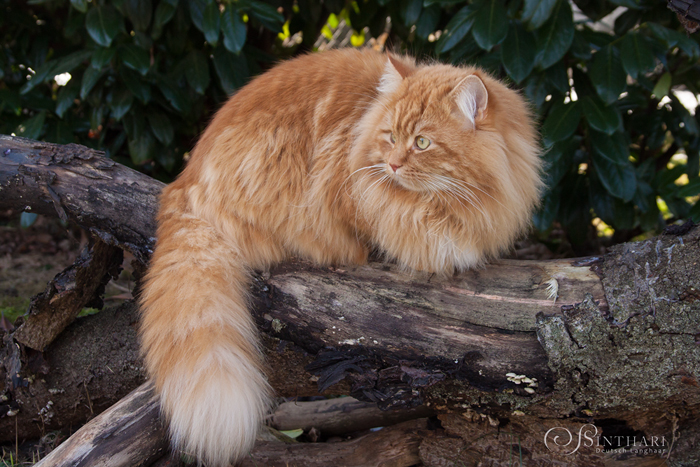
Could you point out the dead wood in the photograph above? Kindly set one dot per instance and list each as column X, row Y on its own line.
column 619, row 342
column 339, row 416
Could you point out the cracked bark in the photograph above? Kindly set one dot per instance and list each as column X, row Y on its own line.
column 618, row 347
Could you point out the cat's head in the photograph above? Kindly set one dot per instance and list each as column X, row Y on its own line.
column 451, row 139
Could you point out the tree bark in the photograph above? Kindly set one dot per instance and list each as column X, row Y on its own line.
column 618, row 343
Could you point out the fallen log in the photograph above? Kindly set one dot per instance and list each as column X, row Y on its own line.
column 616, row 341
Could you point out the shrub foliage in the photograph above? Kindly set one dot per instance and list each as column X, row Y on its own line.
column 603, row 77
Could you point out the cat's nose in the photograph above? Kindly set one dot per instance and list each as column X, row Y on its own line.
column 394, row 167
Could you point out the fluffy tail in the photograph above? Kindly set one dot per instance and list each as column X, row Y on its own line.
column 200, row 342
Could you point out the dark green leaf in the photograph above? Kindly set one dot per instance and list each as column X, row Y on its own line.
column 234, row 30
column 637, row 56
column 80, row 5
column 90, row 79
column 619, row 180
column 428, row 21
column 135, row 58
column 139, row 12
column 537, row 12
column 559, row 160
column 10, row 100
column 66, row 96
column 71, row 61
column 43, row 74
column 267, row 15
column 174, row 95
column 601, row 117
column 457, row 28
column 121, row 101
column 197, row 8
column 102, row 56
column 607, row 74
column 692, row 188
column 212, row 22
column 580, row 47
column 59, row 132
column 140, row 89
column 549, row 207
column 536, row 89
column 103, row 23
column 556, row 36
column 663, row 85
column 613, row 148
column 674, row 38
column 32, row 128
column 627, row 21
column 161, row 126
column 164, row 13
column 595, row 9
column 694, row 213
column 561, row 122
column 197, row 71
column 411, row 11
column 143, row 148
column 231, row 69
column 490, row 24
column 518, row 53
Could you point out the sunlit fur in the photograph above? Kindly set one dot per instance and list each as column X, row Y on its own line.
column 298, row 163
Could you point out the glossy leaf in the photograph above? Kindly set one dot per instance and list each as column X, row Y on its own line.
column 164, row 13
column 90, row 79
column 490, row 24
column 197, row 8
column 231, row 69
column 234, row 30
column 457, row 28
column 537, row 12
column 80, row 5
column 174, row 94
column 607, row 74
column 71, row 61
column 66, row 97
column 101, row 56
column 411, row 11
column 33, row 127
column 637, row 56
column 619, row 180
column 601, row 117
column 555, row 37
column 103, row 23
column 197, row 71
column 561, row 122
column 43, row 73
column 161, row 127
column 428, row 21
column 518, row 53
column 692, row 188
column 120, row 104
column 211, row 22
column 143, row 148
column 139, row 13
column 267, row 15
column 663, row 86
column 558, row 160
column 140, row 89
column 135, row 58
column 612, row 148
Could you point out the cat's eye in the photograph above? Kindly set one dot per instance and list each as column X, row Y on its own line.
column 422, row 142
column 392, row 138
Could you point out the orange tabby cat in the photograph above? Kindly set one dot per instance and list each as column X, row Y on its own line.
column 324, row 157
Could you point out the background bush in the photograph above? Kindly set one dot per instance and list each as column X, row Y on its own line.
column 146, row 76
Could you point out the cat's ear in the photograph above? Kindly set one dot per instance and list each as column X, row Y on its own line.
column 394, row 72
column 471, row 98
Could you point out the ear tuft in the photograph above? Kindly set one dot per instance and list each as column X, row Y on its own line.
column 394, row 72
column 471, row 97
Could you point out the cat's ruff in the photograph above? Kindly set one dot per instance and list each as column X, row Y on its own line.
column 325, row 157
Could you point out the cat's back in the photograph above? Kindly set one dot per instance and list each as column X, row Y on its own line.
column 300, row 100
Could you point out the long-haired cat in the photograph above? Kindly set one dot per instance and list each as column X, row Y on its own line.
column 324, row 157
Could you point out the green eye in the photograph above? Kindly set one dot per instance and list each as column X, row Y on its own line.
column 393, row 138
column 422, row 142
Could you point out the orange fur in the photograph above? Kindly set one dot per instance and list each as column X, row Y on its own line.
column 299, row 162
